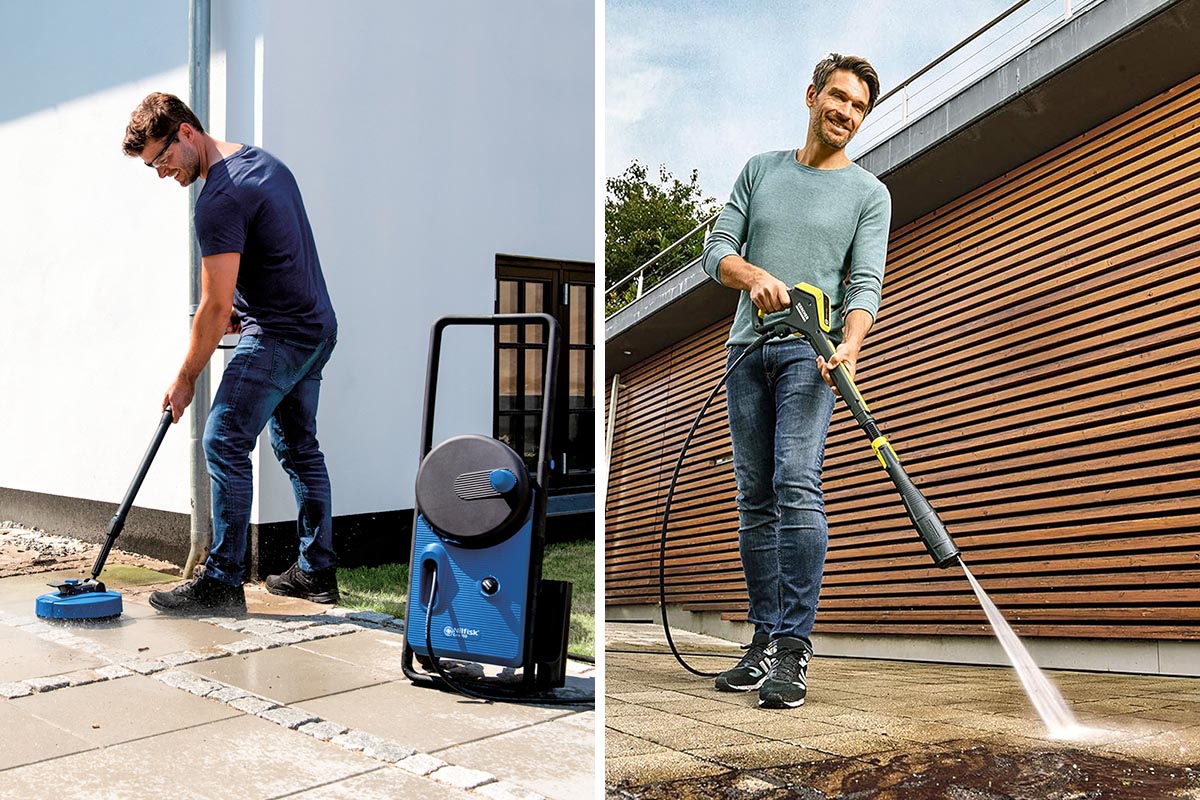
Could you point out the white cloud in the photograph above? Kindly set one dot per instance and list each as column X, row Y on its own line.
column 707, row 85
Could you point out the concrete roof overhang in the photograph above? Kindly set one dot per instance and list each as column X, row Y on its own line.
column 1106, row 60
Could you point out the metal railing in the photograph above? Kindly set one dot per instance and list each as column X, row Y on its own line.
column 996, row 43
column 633, row 286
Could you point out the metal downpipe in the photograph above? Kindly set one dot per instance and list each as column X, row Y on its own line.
column 199, row 40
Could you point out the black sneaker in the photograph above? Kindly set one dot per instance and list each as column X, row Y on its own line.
column 201, row 595
column 786, row 684
column 316, row 587
column 751, row 671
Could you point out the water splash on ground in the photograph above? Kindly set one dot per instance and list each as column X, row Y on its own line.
column 1050, row 706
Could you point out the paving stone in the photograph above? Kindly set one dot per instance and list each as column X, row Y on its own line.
column 188, row 682
column 342, row 627
column 11, row 690
column 186, row 657
column 295, row 624
column 461, row 777
column 251, row 704
column 243, row 646
column 320, row 631
column 355, row 740
column 113, row 671
column 285, row 638
column 388, row 751
column 338, row 611
column 323, row 730
column 229, row 693
column 288, row 717
column 224, row 622
column 377, row 617
column 421, row 764
column 84, row 676
column 144, row 667
column 47, row 684
column 503, row 790
column 262, row 628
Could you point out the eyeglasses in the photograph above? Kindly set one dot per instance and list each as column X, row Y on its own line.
column 158, row 159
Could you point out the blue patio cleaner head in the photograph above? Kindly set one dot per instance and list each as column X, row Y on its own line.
column 476, row 591
column 88, row 599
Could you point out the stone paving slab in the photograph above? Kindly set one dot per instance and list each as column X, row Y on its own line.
column 148, row 687
column 24, row 655
column 111, row 712
column 521, row 755
column 671, row 734
column 288, row 675
column 431, row 720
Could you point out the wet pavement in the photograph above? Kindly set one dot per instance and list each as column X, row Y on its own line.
column 874, row 729
column 292, row 700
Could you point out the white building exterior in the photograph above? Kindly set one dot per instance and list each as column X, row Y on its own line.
column 426, row 138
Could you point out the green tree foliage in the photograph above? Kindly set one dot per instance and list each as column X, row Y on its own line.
column 642, row 218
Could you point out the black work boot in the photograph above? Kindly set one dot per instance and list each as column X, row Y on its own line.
column 751, row 671
column 201, row 595
column 787, row 683
column 316, row 587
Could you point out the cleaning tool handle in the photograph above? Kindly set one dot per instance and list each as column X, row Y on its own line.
column 929, row 526
column 117, row 523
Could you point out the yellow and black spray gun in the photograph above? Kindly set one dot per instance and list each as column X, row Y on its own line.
column 808, row 316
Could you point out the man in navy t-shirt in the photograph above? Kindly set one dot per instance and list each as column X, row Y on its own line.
column 261, row 277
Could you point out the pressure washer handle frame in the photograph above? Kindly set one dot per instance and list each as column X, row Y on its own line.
column 549, row 382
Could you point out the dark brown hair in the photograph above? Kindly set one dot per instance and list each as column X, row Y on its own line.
column 859, row 66
column 156, row 117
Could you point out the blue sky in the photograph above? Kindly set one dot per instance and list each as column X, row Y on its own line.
column 706, row 85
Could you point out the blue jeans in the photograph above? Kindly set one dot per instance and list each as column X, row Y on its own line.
column 779, row 412
column 273, row 381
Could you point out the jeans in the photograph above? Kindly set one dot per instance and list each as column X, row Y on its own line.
column 276, row 382
column 779, row 412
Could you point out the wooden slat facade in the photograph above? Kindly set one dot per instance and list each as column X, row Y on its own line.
column 1035, row 364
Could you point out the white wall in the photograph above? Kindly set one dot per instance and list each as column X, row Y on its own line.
column 93, row 270
column 425, row 140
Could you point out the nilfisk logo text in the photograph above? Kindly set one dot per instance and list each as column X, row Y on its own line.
column 449, row 631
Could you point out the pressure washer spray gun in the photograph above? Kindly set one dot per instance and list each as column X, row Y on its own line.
column 809, row 317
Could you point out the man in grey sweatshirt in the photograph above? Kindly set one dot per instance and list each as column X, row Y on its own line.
column 807, row 215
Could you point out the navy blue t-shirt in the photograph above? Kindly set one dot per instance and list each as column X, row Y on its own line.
column 251, row 205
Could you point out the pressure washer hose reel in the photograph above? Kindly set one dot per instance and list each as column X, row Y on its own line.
column 476, row 592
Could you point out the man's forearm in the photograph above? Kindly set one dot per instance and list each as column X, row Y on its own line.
column 766, row 291
column 208, row 326
column 855, row 329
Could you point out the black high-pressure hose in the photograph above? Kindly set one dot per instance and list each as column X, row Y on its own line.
column 487, row 698
column 662, row 546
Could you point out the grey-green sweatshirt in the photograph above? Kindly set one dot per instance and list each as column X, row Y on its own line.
column 828, row 228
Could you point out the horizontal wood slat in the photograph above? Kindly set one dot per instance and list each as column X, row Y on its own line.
column 1035, row 364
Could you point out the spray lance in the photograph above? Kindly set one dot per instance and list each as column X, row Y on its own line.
column 808, row 316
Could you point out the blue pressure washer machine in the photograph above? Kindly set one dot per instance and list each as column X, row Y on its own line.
column 476, row 592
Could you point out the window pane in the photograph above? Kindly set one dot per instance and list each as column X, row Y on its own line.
column 533, row 379
column 535, row 303
column 533, row 424
column 578, row 332
column 507, row 397
column 509, row 433
column 581, row 456
column 580, row 380
column 508, row 304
